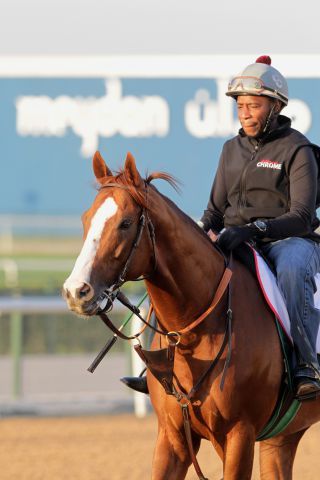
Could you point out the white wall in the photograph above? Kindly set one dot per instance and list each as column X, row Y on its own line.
column 158, row 26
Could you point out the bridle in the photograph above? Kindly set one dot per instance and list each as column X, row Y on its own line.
column 108, row 296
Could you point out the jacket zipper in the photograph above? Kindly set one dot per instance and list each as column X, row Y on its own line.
column 242, row 190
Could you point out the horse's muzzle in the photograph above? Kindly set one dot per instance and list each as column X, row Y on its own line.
column 81, row 305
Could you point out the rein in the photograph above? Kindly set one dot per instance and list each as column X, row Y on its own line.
column 224, row 282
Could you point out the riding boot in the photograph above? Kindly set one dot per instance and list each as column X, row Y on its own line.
column 136, row 383
column 307, row 382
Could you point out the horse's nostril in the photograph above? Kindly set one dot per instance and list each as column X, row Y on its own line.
column 84, row 290
column 75, row 291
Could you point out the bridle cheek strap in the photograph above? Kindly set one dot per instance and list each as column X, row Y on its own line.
column 143, row 220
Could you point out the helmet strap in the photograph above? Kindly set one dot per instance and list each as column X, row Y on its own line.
column 269, row 119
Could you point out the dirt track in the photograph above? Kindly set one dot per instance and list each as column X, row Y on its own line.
column 107, row 448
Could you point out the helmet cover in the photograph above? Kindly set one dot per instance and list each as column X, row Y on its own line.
column 261, row 79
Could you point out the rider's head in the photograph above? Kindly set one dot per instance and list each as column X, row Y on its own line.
column 261, row 92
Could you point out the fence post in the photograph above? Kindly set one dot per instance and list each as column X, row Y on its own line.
column 139, row 399
column 11, row 274
column 16, row 351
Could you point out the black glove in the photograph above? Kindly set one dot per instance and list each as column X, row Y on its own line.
column 233, row 236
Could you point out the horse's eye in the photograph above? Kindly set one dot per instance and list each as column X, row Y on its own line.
column 125, row 224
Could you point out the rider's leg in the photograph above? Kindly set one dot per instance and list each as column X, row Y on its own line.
column 297, row 261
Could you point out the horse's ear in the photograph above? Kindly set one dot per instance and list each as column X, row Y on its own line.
column 131, row 170
column 100, row 168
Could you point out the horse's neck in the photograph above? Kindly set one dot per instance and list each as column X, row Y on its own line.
column 188, row 269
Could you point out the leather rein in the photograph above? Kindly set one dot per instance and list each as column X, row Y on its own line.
column 173, row 337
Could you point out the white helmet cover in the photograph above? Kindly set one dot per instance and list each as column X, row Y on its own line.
column 260, row 79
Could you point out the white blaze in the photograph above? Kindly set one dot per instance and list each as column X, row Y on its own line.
column 82, row 269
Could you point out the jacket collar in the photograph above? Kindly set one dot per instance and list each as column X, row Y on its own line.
column 283, row 123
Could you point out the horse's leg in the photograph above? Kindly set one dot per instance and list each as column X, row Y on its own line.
column 277, row 456
column 239, row 453
column 171, row 457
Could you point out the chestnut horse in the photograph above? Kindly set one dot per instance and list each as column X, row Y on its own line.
column 181, row 286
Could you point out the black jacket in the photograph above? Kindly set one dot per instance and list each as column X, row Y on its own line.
column 272, row 178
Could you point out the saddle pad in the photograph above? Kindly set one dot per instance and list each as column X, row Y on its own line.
column 273, row 296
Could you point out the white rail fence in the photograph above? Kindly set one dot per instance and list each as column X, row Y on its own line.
column 16, row 307
column 13, row 227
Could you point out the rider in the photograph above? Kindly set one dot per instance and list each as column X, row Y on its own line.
column 265, row 189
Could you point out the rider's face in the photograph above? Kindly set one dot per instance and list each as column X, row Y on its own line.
column 252, row 113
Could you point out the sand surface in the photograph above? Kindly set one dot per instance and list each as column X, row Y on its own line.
column 108, row 448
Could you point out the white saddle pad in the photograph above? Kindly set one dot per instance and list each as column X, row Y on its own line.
column 273, row 296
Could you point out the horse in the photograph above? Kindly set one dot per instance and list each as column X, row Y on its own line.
column 182, row 270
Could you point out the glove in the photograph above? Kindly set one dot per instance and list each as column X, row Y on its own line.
column 233, row 236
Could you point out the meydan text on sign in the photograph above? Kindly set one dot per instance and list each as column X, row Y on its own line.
column 94, row 117
column 134, row 116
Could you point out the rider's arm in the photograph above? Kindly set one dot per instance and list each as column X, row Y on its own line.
column 299, row 221
column 213, row 215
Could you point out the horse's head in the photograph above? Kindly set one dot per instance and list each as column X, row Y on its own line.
column 115, row 222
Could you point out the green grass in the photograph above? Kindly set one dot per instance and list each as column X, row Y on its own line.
column 33, row 250
column 35, row 283
column 53, row 333
column 60, row 334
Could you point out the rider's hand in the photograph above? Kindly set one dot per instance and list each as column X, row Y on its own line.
column 233, row 236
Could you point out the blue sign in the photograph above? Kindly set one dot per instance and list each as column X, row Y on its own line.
column 51, row 127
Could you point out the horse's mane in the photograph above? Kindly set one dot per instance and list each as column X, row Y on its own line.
column 138, row 194
column 164, row 176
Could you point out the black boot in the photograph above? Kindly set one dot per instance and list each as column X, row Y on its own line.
column 136, row 383
column 307, row 383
